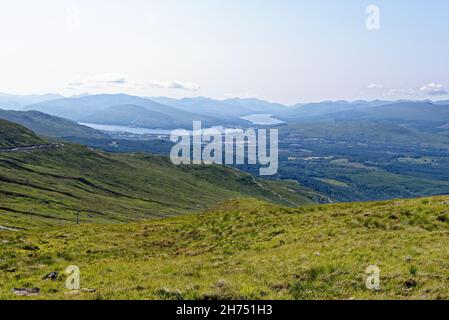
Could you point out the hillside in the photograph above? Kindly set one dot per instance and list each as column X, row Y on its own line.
column 243, row 249
column 410, row 111
column 423, row 115
column 229, row 108
column 310, row 110
column 130, row 115
column 365, row 131
column 51, row 126
column 49, row 187
column 14, row 135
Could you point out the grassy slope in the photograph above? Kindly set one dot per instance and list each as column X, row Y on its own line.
column 48, row 187
column 244, row 249
column 13, row 135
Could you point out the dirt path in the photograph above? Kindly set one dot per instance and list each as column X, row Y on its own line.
column 31, row 148
column 272, row 191
column 7, row 229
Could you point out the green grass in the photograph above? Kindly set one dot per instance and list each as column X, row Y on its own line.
column 13, row 135
column 243, row 249
column 49, row 187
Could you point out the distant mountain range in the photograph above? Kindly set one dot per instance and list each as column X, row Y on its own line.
column 16, row 102
column 126, row 110
column 169, row 113
column 223, row 108
column 380, row 110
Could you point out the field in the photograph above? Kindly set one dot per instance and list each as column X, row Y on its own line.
column 243, row 249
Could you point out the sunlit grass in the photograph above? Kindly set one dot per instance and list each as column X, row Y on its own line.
column 243, row 249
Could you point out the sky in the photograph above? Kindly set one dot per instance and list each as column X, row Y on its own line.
column 279, row 50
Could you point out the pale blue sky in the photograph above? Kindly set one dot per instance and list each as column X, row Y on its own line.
column 286, row 51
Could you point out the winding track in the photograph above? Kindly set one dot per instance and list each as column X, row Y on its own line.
column 31, row 148
column 7, row 229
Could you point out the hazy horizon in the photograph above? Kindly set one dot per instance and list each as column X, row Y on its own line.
column 283, row 51
column 65, row 96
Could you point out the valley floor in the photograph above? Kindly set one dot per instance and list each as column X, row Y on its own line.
column 242, row 249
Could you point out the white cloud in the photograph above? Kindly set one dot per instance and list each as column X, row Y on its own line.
column 433, row 89
column 99, row 81
column 73, row 21
column 398, row 93
column 108, row 78
column 379, row 90
column 375, row 86
column 241, row 95
column 116, row 80
column 175, row 85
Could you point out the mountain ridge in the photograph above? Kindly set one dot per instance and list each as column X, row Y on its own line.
column 14, row 135
column 52, row 126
